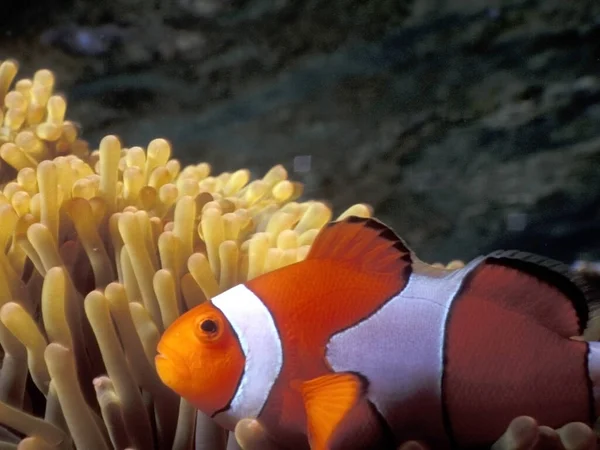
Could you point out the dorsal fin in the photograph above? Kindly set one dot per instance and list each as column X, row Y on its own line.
column 574, row 288
column 362, row 241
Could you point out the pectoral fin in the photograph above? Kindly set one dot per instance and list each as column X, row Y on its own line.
column 339, row 415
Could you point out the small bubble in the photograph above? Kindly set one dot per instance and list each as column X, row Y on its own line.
column 302, row 163
column 493, row 13
column 516, row 221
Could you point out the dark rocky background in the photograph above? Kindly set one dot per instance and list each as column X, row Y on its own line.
column 469, row 125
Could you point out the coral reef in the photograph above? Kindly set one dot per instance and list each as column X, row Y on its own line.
column 102, row 250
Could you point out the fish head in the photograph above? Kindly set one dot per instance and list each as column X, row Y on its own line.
column 200, row 358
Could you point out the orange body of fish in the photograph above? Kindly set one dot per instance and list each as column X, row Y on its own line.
column 363, row 346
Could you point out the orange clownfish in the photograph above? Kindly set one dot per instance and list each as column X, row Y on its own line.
column 363, row 346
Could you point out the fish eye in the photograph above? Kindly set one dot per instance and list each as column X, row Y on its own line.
column 209, row 326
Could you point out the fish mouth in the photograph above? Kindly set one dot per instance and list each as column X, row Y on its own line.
column 171, row 371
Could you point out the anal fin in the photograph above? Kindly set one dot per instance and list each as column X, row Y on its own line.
column 339, row 416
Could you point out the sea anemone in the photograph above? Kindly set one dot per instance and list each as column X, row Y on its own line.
column 102, row 251
column 32, row 122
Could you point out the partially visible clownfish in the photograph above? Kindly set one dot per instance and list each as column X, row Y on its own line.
column 363, row 346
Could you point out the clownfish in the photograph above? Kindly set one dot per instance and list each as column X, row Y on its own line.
column 363, row 346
